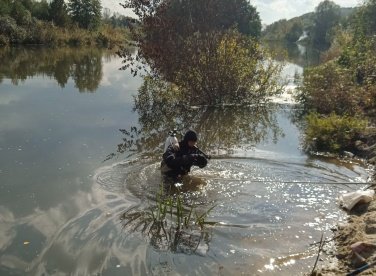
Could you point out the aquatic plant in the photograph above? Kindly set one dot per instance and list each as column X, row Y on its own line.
column 169, row 224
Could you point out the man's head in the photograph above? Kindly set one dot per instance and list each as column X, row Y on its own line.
column 190, row 138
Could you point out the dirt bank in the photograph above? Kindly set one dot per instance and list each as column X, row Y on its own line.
column 355, row 241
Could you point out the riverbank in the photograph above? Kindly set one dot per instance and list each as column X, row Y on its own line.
column 355, row 241
column 46, row 33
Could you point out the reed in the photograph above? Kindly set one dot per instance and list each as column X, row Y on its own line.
column 169, row 223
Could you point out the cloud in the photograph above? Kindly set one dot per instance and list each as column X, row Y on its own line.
column 270, row 10
column 274, row 10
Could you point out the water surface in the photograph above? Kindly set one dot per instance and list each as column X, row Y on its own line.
column 60, row 203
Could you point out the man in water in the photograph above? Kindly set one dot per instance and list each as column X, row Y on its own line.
column 180, row 157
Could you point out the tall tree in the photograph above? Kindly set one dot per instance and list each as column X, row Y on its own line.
column 365, row 23
column 86, row 13
column 206, row 48
column 20, row 13
column 40, row 10
column 59, row 13
column 327, row 15
column 5, row 7
column 168, row 24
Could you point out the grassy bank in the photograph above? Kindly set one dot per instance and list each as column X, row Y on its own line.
column 46, row 33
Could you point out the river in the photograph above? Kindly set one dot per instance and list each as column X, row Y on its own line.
column 76, row 155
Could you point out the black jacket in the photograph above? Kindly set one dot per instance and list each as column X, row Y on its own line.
column 178, row 161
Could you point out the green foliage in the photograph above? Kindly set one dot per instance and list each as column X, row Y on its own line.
column 11, row 32
column 333, row 133
column 365, row 19
column 20, row 14
column 212, row 15
column 327, row 15
column 170, row 224
column 205, row 50
column 86, row 13
column 287, row 30
column 327, row 88
column 225, row 68
column 160, row 109
column 5, row 7
column 345, row 85
column 35, row 21
column 295, row 32
column 59, row 13
column 40, row 10
column 310, row 23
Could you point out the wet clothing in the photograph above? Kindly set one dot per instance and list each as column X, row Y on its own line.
column 177, row 161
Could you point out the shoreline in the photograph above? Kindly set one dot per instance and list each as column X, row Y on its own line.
column 359, row 231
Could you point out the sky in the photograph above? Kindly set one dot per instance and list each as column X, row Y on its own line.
column 269, row 10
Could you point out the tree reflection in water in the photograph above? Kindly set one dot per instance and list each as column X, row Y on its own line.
column 83, row 65
column 221, row 129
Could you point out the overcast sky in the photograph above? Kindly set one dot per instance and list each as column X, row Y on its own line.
column 269, row 10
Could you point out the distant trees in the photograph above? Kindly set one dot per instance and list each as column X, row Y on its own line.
column 85, row 13
column 295, row 32
column 46, row 22
column 327, row 15
column 320, row 25
column 342, row 92
column 119, row 20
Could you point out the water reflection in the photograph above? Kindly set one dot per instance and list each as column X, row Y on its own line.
column 58, row 219
column 83, row 65
column 221, row 129
column 295, row 53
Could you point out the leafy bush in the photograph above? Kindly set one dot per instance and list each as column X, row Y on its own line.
column 333, row 133
column 330, row 88
column 204, row 48
column 226, row 68
column 4, row 40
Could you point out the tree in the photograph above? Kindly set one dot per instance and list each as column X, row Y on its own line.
column 365, row 19
column 40, row 10
column 86, row 13
column 59, row 13
column 295, row 32
column 327, row 15
column 207, row 48
column 20, row 13
column 5, row 7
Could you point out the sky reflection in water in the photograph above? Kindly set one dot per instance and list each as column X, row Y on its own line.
column 60, row 205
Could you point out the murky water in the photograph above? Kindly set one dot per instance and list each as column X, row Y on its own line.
column 61, row 203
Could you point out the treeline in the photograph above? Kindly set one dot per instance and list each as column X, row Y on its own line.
column 316, row 28
column 57, row 22
column 340, row 94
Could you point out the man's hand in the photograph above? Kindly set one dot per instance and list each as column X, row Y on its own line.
column 200, row 161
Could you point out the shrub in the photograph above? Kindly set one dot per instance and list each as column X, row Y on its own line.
column 226, row 68
column 9, row 28
column 209, row 50
column 332, row 133
column 4, row 40
column 330, row 88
